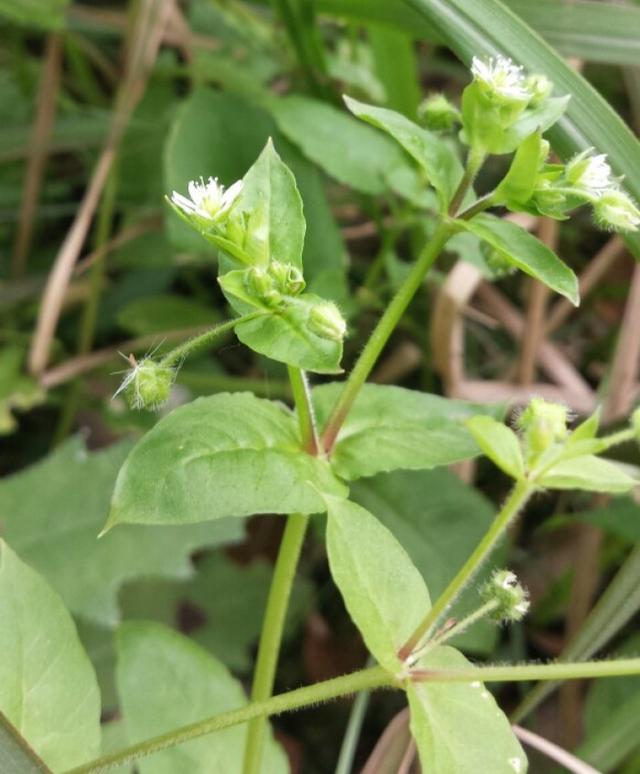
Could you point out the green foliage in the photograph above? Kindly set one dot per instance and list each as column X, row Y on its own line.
column 525, row 252
column 499, row 443
column 17, row 391
column 44, row 14
column 15, row 753
column 165, row 680
column 392, row 427
column 451, row 723
column 590, row 474
column 67, row 494
column 207, row 455
column 57, row 710
column 383, row 591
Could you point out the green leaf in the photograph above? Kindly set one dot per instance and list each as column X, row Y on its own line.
column 164, row 312
column 48, row 688
column 269, row 210
column 363, row 159
column 499, row 443
column 442, row 166
column 458, row 727
column 586, row 430
column 45, row 14
column 286, row 335
column 225, row 455
column 518, row 184
column 396, row 66
column 589, row 473
column 17, row 392
column 524, row 251
column 383, row 591
column 620, row 517
column 67, row 496
column 391, row 427
column 438, row 520
column 16, row 756
column 165, row 681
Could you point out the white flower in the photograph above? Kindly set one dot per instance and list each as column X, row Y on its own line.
column 589, row 172
column 208, row 200
column 501, row 77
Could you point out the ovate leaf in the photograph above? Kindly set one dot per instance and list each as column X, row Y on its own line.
column 458, row 727
column 442, row 166
column 165, row 681
column 286, row 335
column 16, row 756
column 383, row 591
column 48, row 689
column 518, row 184
column 524, row 251
column 225, row 455
column 589, row 473
column 499, row 443
column 392, row 427
column 53, row 512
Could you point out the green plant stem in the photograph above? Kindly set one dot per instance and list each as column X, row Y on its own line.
column 304, row 407
column 462, row 625
column 271, row 635
column 482, row 204
column 523, row 672
column 352, row 732
column 204, row 339
column 515, row 502
column 367, row 679
column 383, row 331
column 474, row 163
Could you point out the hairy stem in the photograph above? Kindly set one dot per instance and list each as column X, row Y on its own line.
column 367, row 679
column 304, row 407
column 474, row 163
column 515, row 502
column 382, row 332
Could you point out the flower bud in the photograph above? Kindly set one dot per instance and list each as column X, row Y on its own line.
column 540, row 87
column 148, row 384
column 436, row 112
column 260, row 285
column 542, row 424
column 511, row 598
column 326, row 321
column 589, row 173
column 498, row 261
column 616, row 210
column 287, row 278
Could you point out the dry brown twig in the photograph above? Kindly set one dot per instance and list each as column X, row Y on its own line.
column 141, row 51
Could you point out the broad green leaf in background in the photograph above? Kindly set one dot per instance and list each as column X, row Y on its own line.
column 165, row 681
column 487, row 27
column 383, row 591
column 589, row 473
column 287, row 336
column 16, row 756
column 53, row 512
column 164, row 312
column 620, row 517
column 48, row 688
column 17, row 391
column 458, row 727
column 392, row 427
column 44, row 14
column 396, row 66
column 269, row 207
column 359, row 156
column 225, row 455
column 438, row 519
column 499, row 443
column 525, row 252
column 442, row 166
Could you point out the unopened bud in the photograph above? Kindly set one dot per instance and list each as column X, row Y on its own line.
column 617, row 210
column 511, row 598
column 326, row 321
column 260, row 285
column 147, row 384
column 288, row 278
column 540, row 88
column 436, row 112
column 542, row 424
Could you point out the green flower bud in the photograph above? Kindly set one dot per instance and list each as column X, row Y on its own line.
column 326, row 321
column 147, row 384
column 261, row 286
column 540, row 87
column 287, row 278
column 512, row 599
column 436, row 112
column 498, row 261
column 542, row 424
column 616, row 210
